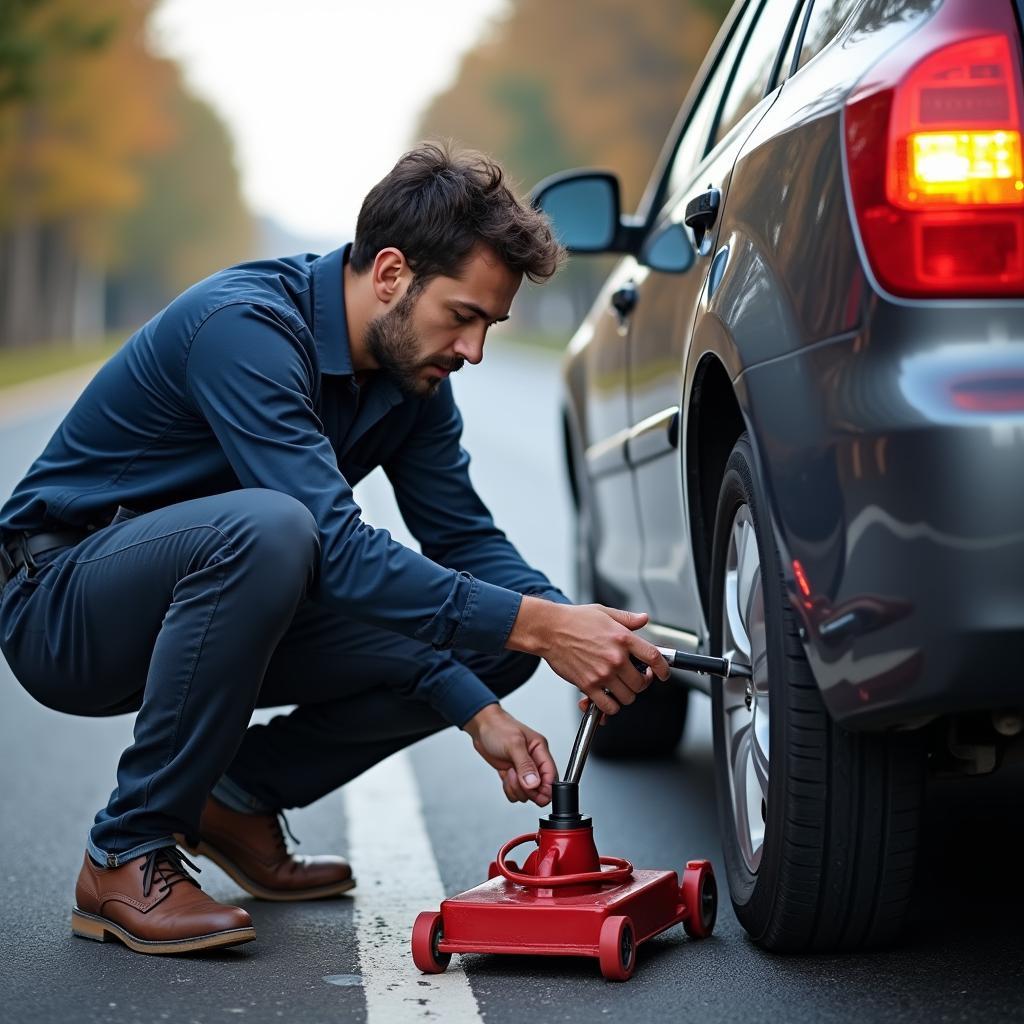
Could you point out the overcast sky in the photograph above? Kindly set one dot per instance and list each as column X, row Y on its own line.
column 320, row 96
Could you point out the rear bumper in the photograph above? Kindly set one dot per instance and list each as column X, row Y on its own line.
column 894, row 461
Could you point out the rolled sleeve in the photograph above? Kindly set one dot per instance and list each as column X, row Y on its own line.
column 461, row 696
column 487, row 618
column 446, row 683
column 475, row 614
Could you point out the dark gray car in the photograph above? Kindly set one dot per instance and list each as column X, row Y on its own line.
column 794, row 425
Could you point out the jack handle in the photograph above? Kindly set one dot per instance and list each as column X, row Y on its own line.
column 581, row 745
column 702, row 663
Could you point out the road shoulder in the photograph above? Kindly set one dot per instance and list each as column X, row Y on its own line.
column 33, row 397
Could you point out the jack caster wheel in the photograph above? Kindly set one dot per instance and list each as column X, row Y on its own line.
column 700, row 894
column 617, row 948
column 427, row 933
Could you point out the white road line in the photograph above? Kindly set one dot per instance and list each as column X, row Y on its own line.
column 397, row 874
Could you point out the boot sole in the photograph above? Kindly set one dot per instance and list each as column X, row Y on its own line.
column 100, row 929
column 260, row 892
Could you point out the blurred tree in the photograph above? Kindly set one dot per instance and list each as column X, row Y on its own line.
column 87, row 114
column 28, row 38
column 79, row 92
column 578, row 82
column 191, row 221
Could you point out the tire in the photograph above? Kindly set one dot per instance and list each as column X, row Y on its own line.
column 700, row 894
column 427, row 932
column 650, row 727
column 616, row 948
column 830, row 863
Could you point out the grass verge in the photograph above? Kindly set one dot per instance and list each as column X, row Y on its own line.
column 18, row 365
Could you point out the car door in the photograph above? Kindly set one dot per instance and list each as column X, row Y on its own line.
column 732, row 103
column 611, row 527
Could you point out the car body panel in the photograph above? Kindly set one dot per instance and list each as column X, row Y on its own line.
column 660, row 339
column 900, row 495
column 603, row 421
column 888, row 476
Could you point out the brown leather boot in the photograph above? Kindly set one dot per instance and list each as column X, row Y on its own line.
column 153, row 905
column 251, row 848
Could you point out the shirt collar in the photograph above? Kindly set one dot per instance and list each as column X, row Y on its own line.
column 330, row 327
column 330, row 332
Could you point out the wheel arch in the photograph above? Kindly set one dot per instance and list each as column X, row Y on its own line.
column 714, row 422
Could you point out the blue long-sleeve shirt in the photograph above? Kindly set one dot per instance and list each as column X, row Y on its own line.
column 246, row 380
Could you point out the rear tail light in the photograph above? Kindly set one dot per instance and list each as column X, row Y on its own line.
column 934, row 152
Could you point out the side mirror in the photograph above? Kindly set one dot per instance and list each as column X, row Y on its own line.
column 668, row 250
column 583, row 207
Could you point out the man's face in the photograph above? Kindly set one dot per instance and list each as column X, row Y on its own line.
column 429, row 333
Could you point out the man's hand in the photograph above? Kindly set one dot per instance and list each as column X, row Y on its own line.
column 520, row 755
column 590, row 646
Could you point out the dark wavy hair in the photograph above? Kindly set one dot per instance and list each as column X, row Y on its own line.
column 435, row 205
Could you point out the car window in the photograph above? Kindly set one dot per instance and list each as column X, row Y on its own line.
column 827, row 18
column 694, row 143
column 756, row 65
column 791, row 47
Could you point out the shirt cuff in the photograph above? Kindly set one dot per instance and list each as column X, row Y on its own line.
column 551, row 594
column 487, row 618
column 461, row 697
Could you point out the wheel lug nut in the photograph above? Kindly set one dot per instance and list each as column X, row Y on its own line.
column 748, row 695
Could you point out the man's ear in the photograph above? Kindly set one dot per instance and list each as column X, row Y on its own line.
column 390, row 275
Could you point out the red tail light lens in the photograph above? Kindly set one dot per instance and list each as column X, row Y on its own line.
column 935, row 158
column 956, row 135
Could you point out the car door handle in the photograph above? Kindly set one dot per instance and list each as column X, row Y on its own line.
column 624, row 299
column 702, row 212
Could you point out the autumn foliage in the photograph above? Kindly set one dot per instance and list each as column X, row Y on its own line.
column 113, row 180
column 118, row 188
column 574, row 83
column 578, row 82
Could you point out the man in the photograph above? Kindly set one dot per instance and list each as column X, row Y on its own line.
column 187, row 546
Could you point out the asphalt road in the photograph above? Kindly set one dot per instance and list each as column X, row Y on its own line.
column 961, row 959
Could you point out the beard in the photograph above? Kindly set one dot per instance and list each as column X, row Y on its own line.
column 391, row 340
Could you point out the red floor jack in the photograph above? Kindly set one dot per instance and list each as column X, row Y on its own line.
column 567, row 900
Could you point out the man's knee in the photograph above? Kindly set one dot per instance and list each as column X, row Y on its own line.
column 255, row 512
column 278, row 512
column 274, row 534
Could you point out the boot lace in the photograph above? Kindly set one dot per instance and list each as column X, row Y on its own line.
column 278, row 827
column 166, row 865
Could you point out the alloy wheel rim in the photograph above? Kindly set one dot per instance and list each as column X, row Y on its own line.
column 746, row 706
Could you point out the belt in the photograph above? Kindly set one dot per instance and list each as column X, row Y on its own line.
column 21, row 549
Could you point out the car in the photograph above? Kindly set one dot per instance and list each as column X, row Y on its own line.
column 794, row 433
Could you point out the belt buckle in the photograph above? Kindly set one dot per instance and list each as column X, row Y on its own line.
column 30, row 563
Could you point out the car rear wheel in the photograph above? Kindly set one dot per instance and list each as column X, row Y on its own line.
column 820, row 825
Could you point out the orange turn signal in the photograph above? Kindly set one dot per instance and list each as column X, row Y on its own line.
column 967, row 167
